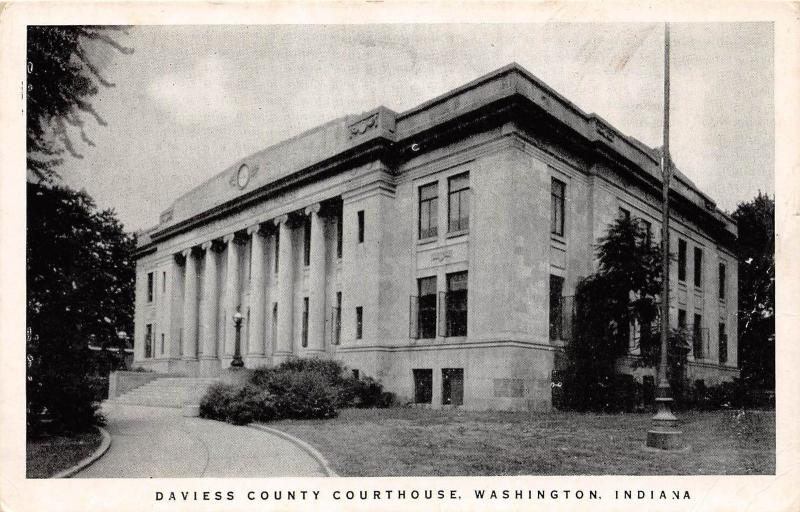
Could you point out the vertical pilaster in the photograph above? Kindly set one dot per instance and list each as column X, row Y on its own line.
column 256, row 354
column 190, row 308
column 231, row 292
column 316, row 282
column 208, row 318
column 283, row 343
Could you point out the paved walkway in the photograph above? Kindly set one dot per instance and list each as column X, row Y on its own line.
column 155, row 442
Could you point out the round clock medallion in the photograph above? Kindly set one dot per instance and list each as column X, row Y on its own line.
column 243, row 176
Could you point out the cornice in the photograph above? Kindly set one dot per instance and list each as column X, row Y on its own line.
column 508, row 94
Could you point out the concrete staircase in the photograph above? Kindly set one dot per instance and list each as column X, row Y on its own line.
column 168, row 392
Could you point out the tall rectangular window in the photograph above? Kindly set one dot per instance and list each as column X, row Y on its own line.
column 723, row 344
column 162, row 343
column 250, row 261
column 722, row 281
column 458, row 203
column 305, row 322
column 274, row 329
column 426, row 312
column 337, row 319
column 681, row 319
column 277, row 250
column 557, row 194
column 456, row 303
column 698, row 266
column 359, row 322
column 423, row 385
column 307, row 242
column 150, row 287
column 148, row 341
column 361, row 226
column 428, row 211
column 163, row 282
column 648, row 230
column 556, row 292
column 697, row 335
column 339, row 235
column 681, row 259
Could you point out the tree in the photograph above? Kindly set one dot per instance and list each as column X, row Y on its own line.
column 80, row 286
column 756, row 226
column 622, row 293
column 62, row 77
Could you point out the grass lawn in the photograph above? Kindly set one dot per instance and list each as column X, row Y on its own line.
column 420, row 442
column 47, row 456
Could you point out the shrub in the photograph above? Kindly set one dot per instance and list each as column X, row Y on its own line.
column 296, row 389
column 238, row 405
column 215, row 402
column 364, row 393
column 331, row 371
column 250, row 403
column 735, row 394
column 302, row 395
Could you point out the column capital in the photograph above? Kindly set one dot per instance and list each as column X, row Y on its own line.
column 187, row 253
column 207, row 245
column 281, row 219
column 236, row 237
column 314, row 208
column 254, row 229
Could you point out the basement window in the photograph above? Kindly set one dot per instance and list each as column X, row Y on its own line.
column 423, row 385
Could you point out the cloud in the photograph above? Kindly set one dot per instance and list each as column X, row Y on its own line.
column 197, row 96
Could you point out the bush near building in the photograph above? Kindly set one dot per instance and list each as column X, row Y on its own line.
column 297, row 389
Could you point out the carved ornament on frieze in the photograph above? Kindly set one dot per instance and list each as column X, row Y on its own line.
column 442, row 255
column 364, row 125
column 241, row 176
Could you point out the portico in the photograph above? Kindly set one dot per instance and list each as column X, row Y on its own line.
column 212, row 284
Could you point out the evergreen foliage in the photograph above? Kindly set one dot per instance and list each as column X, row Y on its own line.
column 80, row 287
column 756, row 226
column 623, row 294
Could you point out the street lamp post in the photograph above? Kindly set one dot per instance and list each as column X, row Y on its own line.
column 237, row 350
column 122, row 335
column 123, row 344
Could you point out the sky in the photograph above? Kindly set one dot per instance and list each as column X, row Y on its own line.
column 192, row 100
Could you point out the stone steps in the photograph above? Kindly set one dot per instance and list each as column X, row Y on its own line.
column 168, row 392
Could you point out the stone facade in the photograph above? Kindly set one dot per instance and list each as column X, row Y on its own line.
column 322, row 244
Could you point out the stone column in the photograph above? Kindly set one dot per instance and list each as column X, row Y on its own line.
column 255, row 352
column 283, row 343
column 190, row 309
column 209, row 364
column 316, row 283
column 174, row 347
column 231, row 292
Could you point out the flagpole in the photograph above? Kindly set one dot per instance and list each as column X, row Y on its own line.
column 663, row 434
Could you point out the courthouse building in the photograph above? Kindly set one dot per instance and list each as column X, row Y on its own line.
column 433, row 249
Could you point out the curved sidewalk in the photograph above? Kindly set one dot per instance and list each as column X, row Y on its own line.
column 156, row 442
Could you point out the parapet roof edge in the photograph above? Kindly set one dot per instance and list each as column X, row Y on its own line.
column 652, row 154
column 649, row 152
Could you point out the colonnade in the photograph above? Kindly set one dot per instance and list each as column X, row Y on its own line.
column 199, row 324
